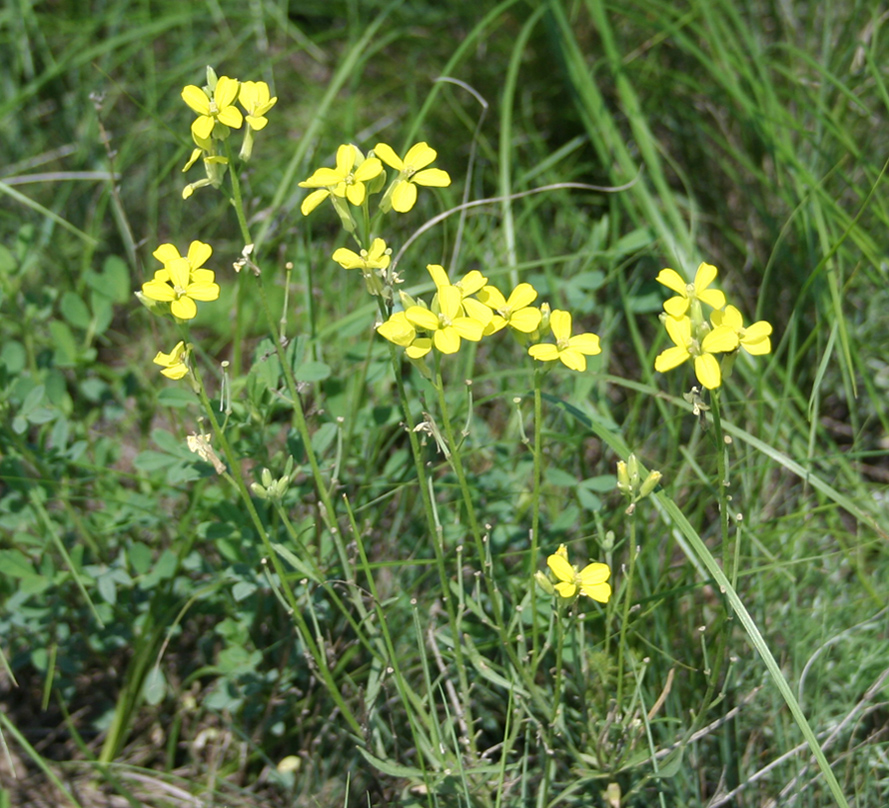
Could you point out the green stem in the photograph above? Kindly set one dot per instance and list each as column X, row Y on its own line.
column 625, row 619
column 535, row 510
column 237, row 479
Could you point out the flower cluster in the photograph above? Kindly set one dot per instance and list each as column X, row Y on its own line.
column 217, row 116
column 183, row 280
column 357, row 176
column 471, row 309
column 695, row 337
column 591, row 581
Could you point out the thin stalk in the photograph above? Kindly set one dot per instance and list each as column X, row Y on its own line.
column 625, row 618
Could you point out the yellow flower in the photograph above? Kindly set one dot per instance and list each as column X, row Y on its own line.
column 182, row 281
column 346, row 180
column 571, row 350
column 468, row 285
column 218, row 108
column 377, row 257
column 400, row 330
column 446, row 321
column 254, row 97
column 719, row 340
column 699, row 290
column 173, row 363
column 516, row 312
column 412, row 171
column 590, row 581
column 754, row 339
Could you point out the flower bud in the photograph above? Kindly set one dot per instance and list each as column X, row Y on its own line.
column 651, row 482
column 544, row 583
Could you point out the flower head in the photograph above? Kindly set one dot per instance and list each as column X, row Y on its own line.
column 688, row 292
column 687, row 345
column 412, row 171
column 571, row 350
column 468, row 285
column 446, row 321
column 183, row 280
column 754, row 339
column 219, row 107
column 377, row 257
column 347, row 180
column 590, row 581
column 173, row 363
column 515, row 312
column 254, row 97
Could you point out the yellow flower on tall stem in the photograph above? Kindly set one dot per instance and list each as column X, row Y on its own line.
column 173, row 363
column 347, row 180
column 254, row 98
column 412, row 171
column 183, row 280
column 686, row 345
column 570, row 350
column 515, row 312
column 754, row 339
column 220, row 107
column 591, row 581
column 689, row 292
column 446, row 321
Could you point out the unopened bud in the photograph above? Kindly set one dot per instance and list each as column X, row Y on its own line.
column 544, row 583
column 651, row 482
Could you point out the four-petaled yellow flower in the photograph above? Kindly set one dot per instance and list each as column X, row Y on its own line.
column 400, row 330
column 221, row 107
column 254, row 97
column 346, row 180
column 719, row 340
column 173, row 363
column 571, row 350
column 590, row 581
column 183, row 280
column 412, row 172
column 468, row 285
column 754, row 339
column 377, row 257
column 699, row 290
column 446, row 321
column 516, row 312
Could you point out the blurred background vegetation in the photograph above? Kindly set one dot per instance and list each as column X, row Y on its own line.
column 752, row 135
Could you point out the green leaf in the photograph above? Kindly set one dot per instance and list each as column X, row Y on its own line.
column 75, row 311
column 312, row 372
column 154, row 688
column 16, row 564
column 560, row 479
column 175, row 397
column 140, row 557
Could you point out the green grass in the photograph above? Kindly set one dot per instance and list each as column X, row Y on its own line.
column 377, row 638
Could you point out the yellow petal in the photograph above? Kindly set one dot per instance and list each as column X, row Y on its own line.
column 477, row 310
column 419, row 348
column 198, row 253
column 432, row 178
column 560, row 324
column 493, row 297
column 558, row 563
column 679, row 331
column 720, row 340
column 166, row 253
column 447, row 340
column 419, row 156
column 197, row 99
column 202, row 127
column 422, row 318
column 203, row 291
column 525, row 320
column 573, row 359
column 231, row 116
column 155, row 290
column 566, row 590
column 226, row 92
column 585, row 343
column 671, row 358
column 439, row 276
column 523, row 295
column 313, row 200
column 707, row 371
column 704, row 276
column 672, row 280
column 184, row 308
column 355, row 193
column 348, row 259
column 369, row 169
column 388, row 156
column 404, row 195
column 545, row 352
column 598, row 592
column 676, row 307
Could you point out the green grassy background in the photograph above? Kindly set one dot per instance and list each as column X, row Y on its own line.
column 753, row 135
